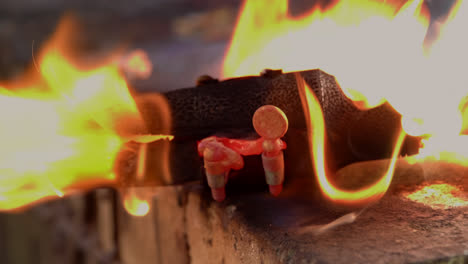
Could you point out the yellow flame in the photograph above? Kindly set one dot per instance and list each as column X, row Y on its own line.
column 136, row 206
column 356, row 40
column 365, row 44
column 137, row 200
column 316, row 130
column 63, row 126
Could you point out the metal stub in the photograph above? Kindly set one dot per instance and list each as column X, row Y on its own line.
column 269, row 73
column 270, row 122
column 206, row 79
column 273, row 164
column 216, row 180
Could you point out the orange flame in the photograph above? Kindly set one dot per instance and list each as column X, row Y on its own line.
column 363, row 43
column 316, row 130
column 62, row 128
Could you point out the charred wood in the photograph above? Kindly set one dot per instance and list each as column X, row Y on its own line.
column 226, row 108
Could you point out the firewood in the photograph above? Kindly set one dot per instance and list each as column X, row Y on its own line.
column 226, row 108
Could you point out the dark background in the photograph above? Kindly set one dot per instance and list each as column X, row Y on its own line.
column 185, row 38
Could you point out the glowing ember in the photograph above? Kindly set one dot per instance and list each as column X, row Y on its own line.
column 439, row 196
column 63, row 126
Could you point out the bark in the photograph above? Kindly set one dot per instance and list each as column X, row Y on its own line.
column 226, row 109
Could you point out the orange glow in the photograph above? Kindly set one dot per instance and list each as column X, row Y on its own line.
column 316, row 130
column 137, row 201
column 63, row 126
column 136, row 207
column 439, row 196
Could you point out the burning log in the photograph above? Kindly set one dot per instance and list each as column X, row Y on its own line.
column 226, row 109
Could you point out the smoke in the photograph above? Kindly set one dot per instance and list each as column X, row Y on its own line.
column 320, row 229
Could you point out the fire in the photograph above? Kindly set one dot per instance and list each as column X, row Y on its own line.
column 348, row 39
column 63, row 126
column 379, row 51
column 439, row 196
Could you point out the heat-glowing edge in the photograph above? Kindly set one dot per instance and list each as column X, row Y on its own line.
column 316, row 130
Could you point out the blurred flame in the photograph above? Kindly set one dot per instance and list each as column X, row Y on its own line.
column 439, row 196
column 63, row 126
column 316, row 129
column 379, row 51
